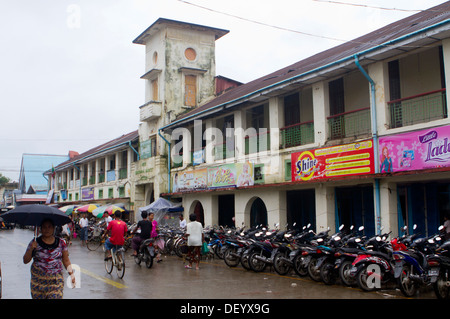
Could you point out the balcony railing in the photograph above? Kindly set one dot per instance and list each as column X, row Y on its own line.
column 347, row 124
column 257, row 143
column 418, row 108
column 297, row 134
column 223, row 151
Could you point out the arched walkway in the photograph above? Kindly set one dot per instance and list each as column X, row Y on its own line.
column 197, row 209
column 258, row 212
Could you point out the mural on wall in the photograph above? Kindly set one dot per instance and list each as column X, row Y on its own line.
column 335, row 161
column 417, row 150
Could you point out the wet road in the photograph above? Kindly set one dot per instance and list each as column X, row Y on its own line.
column 169, row 279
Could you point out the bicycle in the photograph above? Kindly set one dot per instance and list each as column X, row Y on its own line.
column 96, row 240
column 117, row 259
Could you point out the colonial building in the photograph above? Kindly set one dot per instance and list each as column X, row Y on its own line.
column 357, row 134
column 179, row 76
column 101, row 175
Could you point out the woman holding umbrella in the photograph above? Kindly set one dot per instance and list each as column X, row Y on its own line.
column 49, row 254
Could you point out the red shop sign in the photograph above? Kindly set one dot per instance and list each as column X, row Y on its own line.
column 334, row 161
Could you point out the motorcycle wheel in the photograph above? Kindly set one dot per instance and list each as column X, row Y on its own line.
column 230, row 260
column 441, row 289
column 362, row 277
column 298, row 268
column 218, row 251
column 327, row 274
column 255, row 264
column 344, row 274
column 313, row 272
column 148, row 260
column 244, row 261
column 407, row 286
column 137, row 259
column 280, row 266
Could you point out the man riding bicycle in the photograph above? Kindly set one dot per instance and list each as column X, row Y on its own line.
column 118, row 230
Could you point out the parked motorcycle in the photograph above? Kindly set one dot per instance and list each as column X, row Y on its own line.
column 439, row 264
column 373, row 267
column 344, row 249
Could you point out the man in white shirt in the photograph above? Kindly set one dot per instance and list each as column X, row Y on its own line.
column 182, row 221
column 194, row 233
column 84, row 223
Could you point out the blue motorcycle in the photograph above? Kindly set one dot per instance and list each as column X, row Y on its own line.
column 411, row 267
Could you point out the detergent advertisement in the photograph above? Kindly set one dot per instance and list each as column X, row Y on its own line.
column 417, row 150
column 334, row 161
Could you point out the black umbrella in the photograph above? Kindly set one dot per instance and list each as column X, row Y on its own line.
column 34, row 214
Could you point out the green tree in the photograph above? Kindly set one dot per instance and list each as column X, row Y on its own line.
column 4, row 180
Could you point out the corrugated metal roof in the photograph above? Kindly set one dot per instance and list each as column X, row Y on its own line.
column 101, row 148
column 381, row 37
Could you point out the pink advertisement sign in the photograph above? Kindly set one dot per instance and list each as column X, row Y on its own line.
column 417, row 150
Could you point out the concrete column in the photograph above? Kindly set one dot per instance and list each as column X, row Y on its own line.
column 239, row 131
column 325, row 208
column 276, row 208
column 274, row 166
column 446, row 54
column 379, row 73
column 210, row 140
column 321, row 111
column 389, row 209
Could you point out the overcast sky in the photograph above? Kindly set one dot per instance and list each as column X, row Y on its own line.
column 70, row 72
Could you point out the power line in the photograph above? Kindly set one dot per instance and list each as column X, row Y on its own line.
column 375, row 7
column 295, row 31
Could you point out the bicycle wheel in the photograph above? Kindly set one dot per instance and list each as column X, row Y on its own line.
column 120, row 263
column 109, row 264
column 93, row 243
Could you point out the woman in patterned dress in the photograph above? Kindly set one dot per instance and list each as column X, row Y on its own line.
column 49, row 254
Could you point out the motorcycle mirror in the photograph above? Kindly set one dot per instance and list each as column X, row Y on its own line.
column 304, row 227
column 361, row 228
column 415, row 226
column 340, row 227
column 441, row 227
column 351, row 227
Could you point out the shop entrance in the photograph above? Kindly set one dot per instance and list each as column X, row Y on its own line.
column 355, row 206
column 301, row 208
column 226, row 210
column 258, row 213
column 198, row 211
column 423, row 204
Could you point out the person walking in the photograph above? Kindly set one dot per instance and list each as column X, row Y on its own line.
column 145, row 226
column 154, row 234
column 84, row 223
column 49, row 254
column 195, row 236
